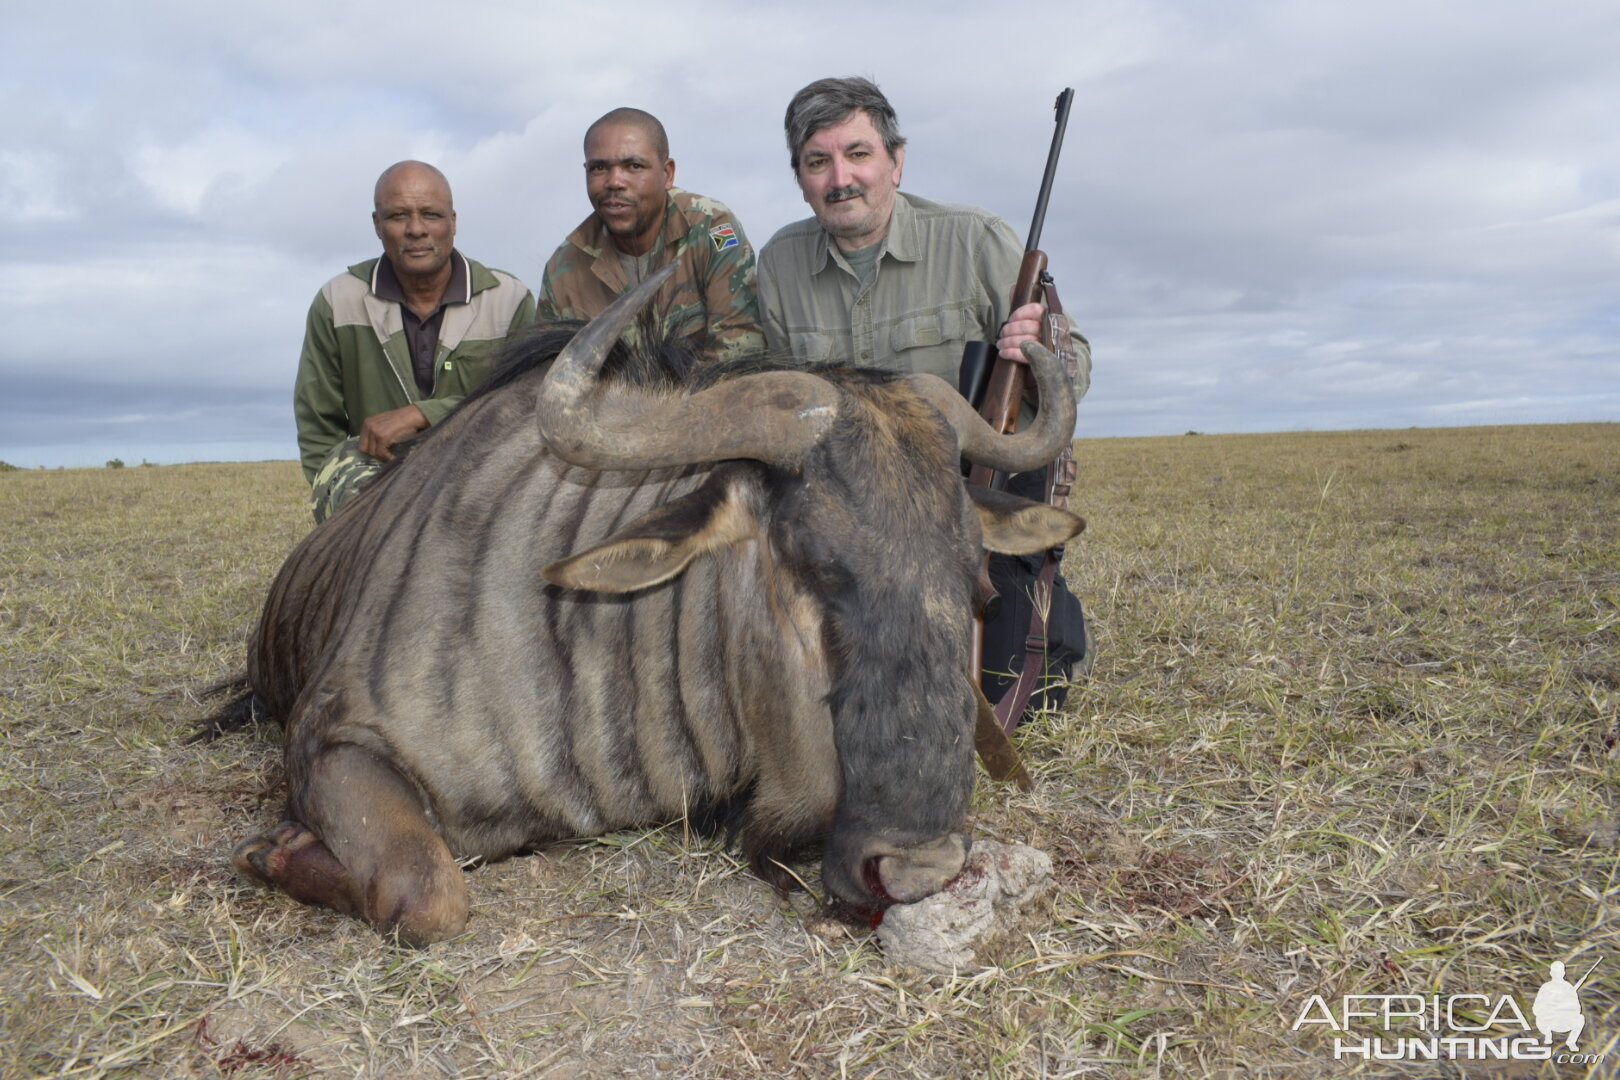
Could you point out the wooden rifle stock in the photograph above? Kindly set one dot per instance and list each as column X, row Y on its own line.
column 1004, row 395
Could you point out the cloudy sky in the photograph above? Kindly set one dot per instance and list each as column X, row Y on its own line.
column 1269, row 217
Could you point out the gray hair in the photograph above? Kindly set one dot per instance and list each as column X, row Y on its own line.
column 828, row 102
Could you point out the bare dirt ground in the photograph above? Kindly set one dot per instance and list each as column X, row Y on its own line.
column 1354, row 729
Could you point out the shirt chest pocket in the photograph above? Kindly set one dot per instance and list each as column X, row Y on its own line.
column 815, row 346
column 459, row 372
column 943, row 326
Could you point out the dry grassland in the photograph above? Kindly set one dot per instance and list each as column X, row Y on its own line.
column 1352, row 730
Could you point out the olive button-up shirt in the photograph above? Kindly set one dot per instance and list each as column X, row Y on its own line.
column 944, row 277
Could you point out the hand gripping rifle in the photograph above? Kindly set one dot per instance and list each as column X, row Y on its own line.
column 996, row 386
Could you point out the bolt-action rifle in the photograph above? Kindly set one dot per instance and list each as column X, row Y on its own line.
column 996, row 386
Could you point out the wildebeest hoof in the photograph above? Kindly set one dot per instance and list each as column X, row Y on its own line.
column 253, row 857
column 294, row 860
column 248, row 860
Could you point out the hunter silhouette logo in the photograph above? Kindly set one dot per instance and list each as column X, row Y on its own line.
column 1439, row 1027
column 1558, row 1004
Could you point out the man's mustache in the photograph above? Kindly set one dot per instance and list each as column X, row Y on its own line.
column 842, row 194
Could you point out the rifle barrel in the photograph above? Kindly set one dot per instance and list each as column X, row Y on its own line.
column 1064, row 100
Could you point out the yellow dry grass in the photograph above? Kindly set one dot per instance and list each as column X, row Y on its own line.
column 1352, row 729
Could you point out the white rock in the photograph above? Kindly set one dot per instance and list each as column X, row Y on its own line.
column 950, row 931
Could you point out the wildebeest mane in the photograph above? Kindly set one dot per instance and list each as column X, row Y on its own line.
column 649, row 359
column 652, row 359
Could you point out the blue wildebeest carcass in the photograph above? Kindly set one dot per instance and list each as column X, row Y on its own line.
column 591, row 599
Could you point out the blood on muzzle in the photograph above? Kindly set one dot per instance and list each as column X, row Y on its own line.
column 896, row 875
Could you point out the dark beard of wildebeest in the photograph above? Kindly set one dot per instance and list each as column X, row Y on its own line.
column 614, row 589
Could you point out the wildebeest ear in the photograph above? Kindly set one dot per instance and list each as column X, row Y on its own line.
column 659, row 544
column 1015, row 526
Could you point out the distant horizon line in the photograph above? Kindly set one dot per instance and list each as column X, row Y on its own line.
column 253, row 457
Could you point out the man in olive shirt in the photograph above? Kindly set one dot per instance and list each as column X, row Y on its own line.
column 394, row 343
column 886, row 279
column 878, row 276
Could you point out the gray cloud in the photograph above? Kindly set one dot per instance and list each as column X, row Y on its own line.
column 1268, row 217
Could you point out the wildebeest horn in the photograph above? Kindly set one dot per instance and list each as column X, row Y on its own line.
column 1024, row 450
column 771, row 416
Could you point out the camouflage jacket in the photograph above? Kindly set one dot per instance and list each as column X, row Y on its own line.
column 713, row 289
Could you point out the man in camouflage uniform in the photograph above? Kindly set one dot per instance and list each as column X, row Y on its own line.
column 394, row 343
column 641, row 222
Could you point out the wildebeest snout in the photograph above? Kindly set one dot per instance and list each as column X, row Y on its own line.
column 874, row 873
column 914, row 873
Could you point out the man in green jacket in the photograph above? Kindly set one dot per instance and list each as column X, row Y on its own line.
column 640, row 222
column 394, row 343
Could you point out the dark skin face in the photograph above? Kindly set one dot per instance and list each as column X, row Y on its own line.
column 416, row 222
column 627, row 181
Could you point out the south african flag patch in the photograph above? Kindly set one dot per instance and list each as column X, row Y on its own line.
column 724, row 236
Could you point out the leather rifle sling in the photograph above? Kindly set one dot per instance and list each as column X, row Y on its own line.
column 1060, row 481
